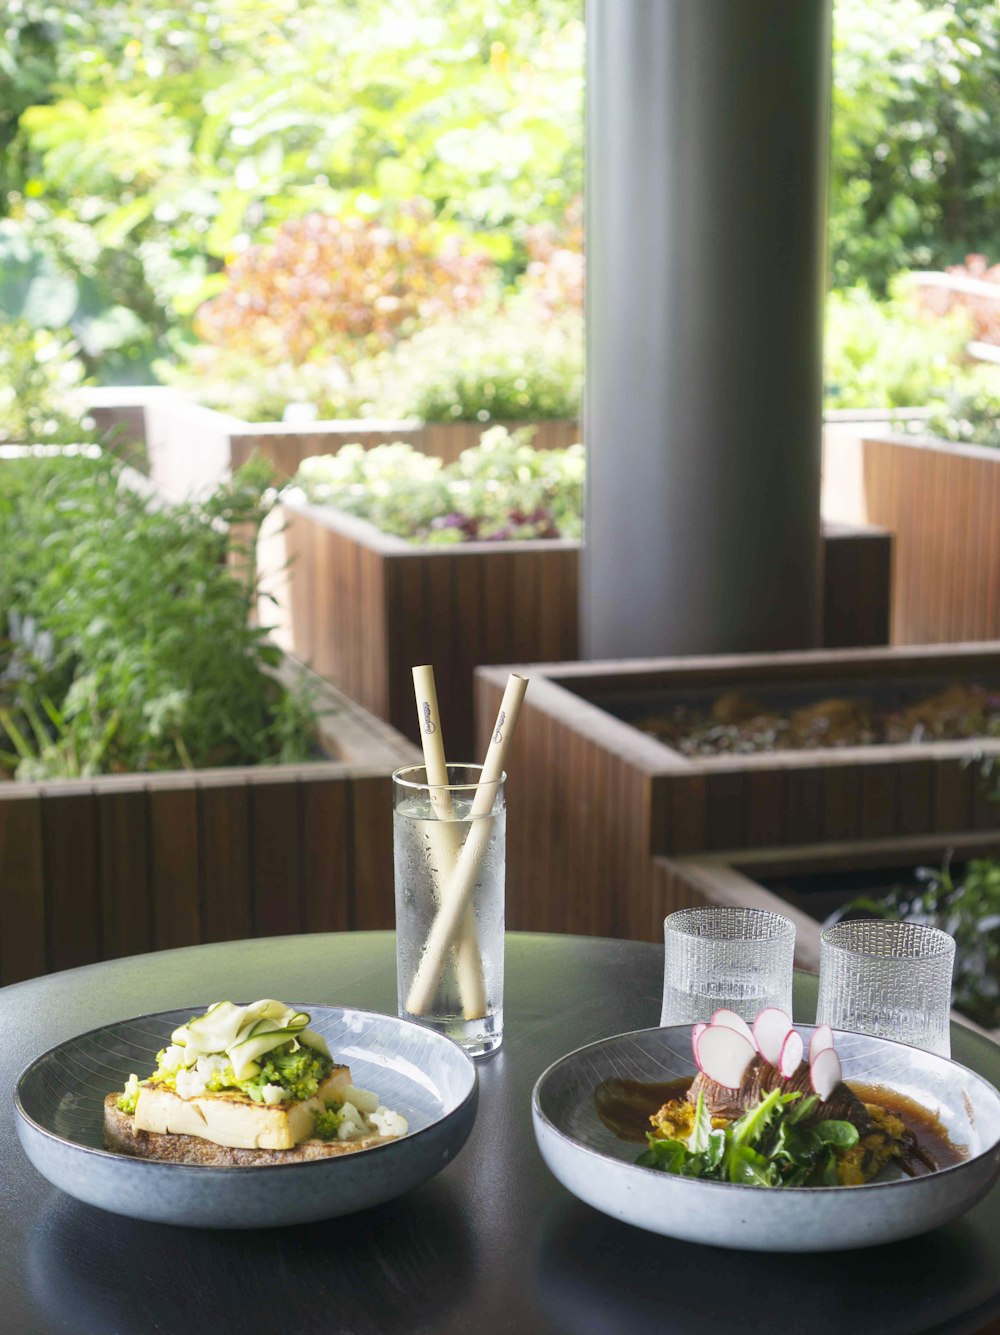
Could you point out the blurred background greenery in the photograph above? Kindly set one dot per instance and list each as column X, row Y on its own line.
column 375, row 208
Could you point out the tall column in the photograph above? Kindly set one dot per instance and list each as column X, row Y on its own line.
column 707, row 128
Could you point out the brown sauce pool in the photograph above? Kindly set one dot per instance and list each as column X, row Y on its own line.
column 625, row 1107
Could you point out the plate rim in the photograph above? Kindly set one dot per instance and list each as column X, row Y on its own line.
column 539, row 1116
column 113, row 1156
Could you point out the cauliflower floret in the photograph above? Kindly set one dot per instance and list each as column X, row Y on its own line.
column 190, row 1082
column 352, row 1123
column 272, row 1094
column 388, row 1123
column 173, row 1056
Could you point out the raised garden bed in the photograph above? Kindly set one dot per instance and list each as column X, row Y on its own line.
column 97, row 868
column 941, row 502
column 809, row 883
column 362, row 607
column 596, row 799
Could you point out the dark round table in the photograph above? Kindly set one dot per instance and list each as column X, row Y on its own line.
column 493, row 1243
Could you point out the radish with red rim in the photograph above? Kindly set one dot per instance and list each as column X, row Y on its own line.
column 770, row 1029
column 724, row 1055
column 730, row 1020
column 825, row 1072
column 791, row 1054
column 822, row 1038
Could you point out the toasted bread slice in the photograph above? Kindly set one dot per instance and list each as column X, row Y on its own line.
column 121, row 1135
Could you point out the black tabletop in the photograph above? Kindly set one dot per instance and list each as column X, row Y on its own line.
column 493, row 1243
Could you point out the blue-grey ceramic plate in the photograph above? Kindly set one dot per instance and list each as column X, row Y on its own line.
column 424, row 1076
column 595, row 1165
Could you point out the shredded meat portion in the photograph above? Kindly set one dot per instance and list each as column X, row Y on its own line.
column 761, row 1077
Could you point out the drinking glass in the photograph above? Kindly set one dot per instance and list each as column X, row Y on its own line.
column 892, row 979
column 449, row 857
column 739, row 958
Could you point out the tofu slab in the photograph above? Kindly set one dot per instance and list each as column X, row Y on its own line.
column 232, row 1119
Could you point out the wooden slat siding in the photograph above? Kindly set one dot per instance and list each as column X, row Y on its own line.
column 374, row 906
column 71, row 853
column 224, row 826
column 175, row 862
column 765, row 804
column 985, row 810
column 326, row 861
column 689, row 805
column 804, row 802
column 276, row 854
column 941, row 502
column 842, row 803
column 879, row 799
column 126, row 866
column 953, row 801
column 726, row 814
column 23, row 928
column 857, row 573
column 914, row 798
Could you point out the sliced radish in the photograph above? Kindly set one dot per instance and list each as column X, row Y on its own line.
column 825, row 1072
column 791, row 1054
column 696, row 1033
column 724, row 1055
column 770, row 1029
column 821, row 1040
column 730, row 1020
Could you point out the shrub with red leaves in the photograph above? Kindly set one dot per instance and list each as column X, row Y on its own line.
column 341, row 287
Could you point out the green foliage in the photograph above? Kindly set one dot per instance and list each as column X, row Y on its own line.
column 512, row 362
column 38, row 372
column 966, row 905
column 509, row 365
column 970, row 416
column 916, row 141
column 884, row 354
column 501, row 489
column 125, row 641
column 141, row 148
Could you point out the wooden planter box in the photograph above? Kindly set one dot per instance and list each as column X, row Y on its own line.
column 773, row 878
column 941, row 502
column 92, row 869
column 363, row 607
column 592, row 799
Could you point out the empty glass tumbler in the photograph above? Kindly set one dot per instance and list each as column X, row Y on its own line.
column 449, row 861
column 892, row 979
column 722, row 956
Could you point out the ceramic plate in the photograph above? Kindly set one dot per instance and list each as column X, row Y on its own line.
column 424, row 1076
column 600, row 1169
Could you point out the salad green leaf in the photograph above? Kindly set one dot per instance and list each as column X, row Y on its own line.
column 769, row 1146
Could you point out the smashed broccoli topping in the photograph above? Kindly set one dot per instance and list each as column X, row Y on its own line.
column 294, row 1070
column 328, row 1122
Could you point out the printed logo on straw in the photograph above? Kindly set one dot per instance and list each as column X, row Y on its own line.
column 498, row 735
column 429, row 725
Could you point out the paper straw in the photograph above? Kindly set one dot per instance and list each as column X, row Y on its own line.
column 444, row 835
column 457, row 890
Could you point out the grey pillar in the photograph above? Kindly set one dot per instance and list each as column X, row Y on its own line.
column 707, row 127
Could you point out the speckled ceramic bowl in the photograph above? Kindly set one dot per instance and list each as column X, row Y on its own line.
column 426, row 1077
column 600, row 1169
